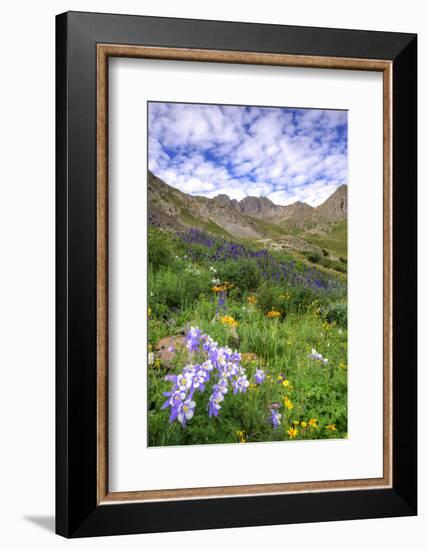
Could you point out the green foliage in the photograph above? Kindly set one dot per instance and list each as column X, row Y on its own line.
column 334, row 239
column 244, row 274
column 176, row 289
column 333, row 264
column 336, row 312
column 314, row 257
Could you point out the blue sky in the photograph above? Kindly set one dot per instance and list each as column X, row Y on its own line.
column 283, row 154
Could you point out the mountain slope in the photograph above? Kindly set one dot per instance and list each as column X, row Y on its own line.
column 250, row 218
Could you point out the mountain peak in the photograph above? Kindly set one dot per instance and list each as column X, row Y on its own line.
column 336, row 206
column 251, row 217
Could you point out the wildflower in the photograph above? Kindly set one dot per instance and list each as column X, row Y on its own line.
column 174, row 399
column 303, row 424
column 157, row 362
column 259, row 376
column 193, row 339
column 214, row 403
column 218, row 288
column 241, row 384
column 273, row 314
column 241, row 436
column 331, row 427
column 287, row 384
column 186, row 412
column 296, row 422
column 252, row 300
column 149, row 311
column 171, row 349
column 292, row 432
column 288, row 403
column 227, row 320
column 275, row 418
column 317, row 356
column 280, row 378
column 312, row 423
column 198, row 378
column 213, row 269
column 343, row 366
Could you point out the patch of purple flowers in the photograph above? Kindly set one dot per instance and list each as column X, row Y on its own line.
column 218, row 365
column 270, row 268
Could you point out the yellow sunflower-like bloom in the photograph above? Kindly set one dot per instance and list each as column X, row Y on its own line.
column 292, row 432
column 273, row 314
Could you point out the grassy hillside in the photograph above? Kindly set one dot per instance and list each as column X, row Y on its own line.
column 287, row 322
column 334, row 240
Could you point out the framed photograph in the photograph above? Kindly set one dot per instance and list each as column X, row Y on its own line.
column 236, row 274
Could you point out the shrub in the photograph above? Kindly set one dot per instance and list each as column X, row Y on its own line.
column 333, row 264
column 336, row 312
column 325, row 252
column 244, row 274
column 314, row 257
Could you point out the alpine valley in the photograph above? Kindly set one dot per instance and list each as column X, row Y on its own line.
column 298, row 228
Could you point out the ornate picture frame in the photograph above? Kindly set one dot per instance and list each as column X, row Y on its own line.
column 84, row 504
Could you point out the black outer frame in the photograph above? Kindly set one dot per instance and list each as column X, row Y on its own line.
column 77, row 513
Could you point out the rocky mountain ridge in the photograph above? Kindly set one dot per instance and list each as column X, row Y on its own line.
column 252, row 217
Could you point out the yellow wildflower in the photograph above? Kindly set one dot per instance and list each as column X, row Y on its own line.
column 287, row 384
column 292, row 432
column 273, row 314
column 280, row 377
column 241, row 436
column 252, row 300
column 331, row 427
column 343, row 366
column 313, row 423
column 149, row 311
column 296, row 422
column 303, row 424
column 288, row 404
column 227, row 320
column 157, row 363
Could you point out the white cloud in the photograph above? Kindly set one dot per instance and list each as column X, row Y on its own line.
column 285, row 154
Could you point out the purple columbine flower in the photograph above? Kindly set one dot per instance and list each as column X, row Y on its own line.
column 175, row 397
column 184, row 411
column 193, row 339
column 214, row 403
column 259, row 376
column 198, row 378
column 275, row 418
column 240, row 385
